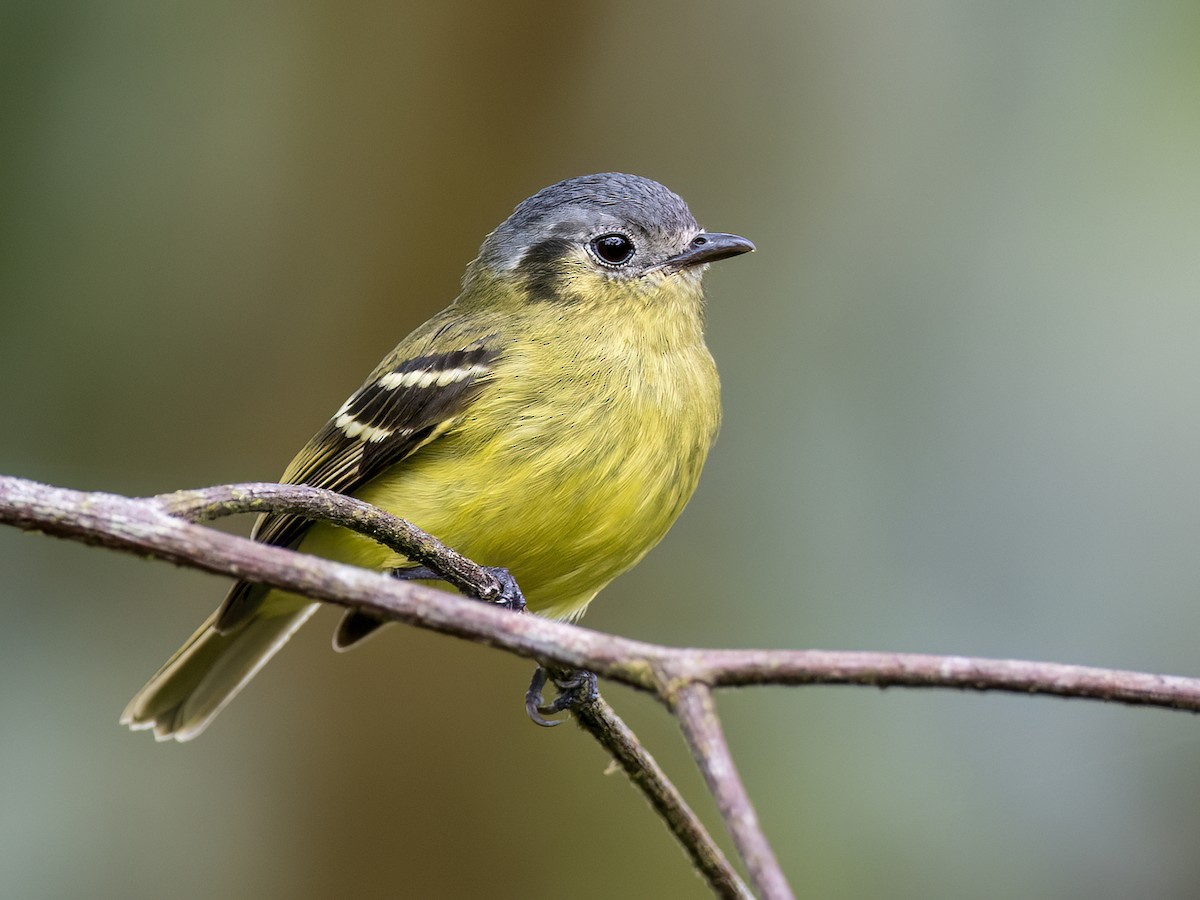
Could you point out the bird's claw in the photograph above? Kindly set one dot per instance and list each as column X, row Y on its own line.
column 575, row 687
column 510, row 596
column 534, row 699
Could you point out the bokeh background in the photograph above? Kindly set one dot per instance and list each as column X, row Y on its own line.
column 962, row 388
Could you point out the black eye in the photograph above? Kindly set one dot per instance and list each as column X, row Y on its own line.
column 612, row 249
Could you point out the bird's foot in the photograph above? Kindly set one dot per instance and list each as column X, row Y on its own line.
column 575, row 687
column 510, row 596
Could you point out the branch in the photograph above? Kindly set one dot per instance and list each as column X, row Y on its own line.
column 697, row 716
column 598, row 719
column 313, row 503
column 142, row 527
column 680, row 677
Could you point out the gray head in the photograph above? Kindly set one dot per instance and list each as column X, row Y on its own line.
column 610, row 226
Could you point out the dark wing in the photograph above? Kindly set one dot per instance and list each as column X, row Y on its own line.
column 402, row 407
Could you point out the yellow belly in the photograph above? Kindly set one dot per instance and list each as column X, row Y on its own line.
column 565, row 499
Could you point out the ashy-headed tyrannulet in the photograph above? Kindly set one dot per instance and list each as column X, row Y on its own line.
column 552, row 421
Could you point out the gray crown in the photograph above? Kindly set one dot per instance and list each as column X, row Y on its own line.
column 590, row 203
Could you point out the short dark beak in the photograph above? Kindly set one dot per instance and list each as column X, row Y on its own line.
column 708, row 247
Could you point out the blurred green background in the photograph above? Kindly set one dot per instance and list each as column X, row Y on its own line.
column 962, row 390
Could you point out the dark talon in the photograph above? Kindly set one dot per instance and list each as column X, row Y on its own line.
column 510, row 596
column 575, row 687
column 534, row 700
column 510, row 593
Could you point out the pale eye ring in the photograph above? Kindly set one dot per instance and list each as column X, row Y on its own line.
column 613, row 249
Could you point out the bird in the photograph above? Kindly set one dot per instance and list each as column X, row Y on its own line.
column 551, row 424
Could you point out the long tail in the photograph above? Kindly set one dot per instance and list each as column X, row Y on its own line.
column 209, row 670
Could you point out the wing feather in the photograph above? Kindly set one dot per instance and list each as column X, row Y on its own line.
column 406, row 403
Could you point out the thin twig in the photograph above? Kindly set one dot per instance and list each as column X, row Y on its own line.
column 697, row 713
column 732, row 668
column 313, row 503
column 598, row 719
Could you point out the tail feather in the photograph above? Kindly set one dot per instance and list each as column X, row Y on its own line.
column 243, row 601
column 211, row 668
